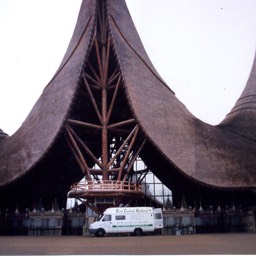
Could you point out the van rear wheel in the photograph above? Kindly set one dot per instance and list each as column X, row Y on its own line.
column 100, row 233
column 138, row 232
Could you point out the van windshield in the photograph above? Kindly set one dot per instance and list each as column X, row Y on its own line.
column 99, row 217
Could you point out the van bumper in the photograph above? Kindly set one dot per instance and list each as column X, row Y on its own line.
column 92, row 231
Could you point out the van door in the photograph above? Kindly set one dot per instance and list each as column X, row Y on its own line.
column 106, row 223
column 158, row 218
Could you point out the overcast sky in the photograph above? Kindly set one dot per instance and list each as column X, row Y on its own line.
column 203, row 49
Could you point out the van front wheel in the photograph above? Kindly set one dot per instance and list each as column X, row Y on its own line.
column 138, row 232
column 100, row 233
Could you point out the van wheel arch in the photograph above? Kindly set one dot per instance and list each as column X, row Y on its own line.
column 138, row 232
column 100, row 232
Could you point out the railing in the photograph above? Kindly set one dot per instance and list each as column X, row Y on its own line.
column 105, row 185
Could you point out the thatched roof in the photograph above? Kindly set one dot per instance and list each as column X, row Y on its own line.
column 219, row 156
column 205, row 153
column 3, row 135
column 23, row 150
column 242, row 118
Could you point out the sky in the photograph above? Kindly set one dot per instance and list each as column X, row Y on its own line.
column 203, row 49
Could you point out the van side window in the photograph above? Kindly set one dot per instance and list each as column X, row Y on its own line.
column 107, row 218
column 120, row 217
column 158, row 216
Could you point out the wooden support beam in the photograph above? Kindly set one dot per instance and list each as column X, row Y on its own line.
column 87, row 150
column 142, row 176
column 104, row 135
column 103, row 59
column 95, row 87
column 124, row 161
column 96, row 171
column 99, row 171
column 106, row 62
column 129, row 170
column 93, row 207
column 119, row 151
column 84, row 124
column 126, row 122
column 92, row 99
column 94, row 73
column 113, row 170
column 99, row 59
column 97, row 83
column 113, row 100
column 113, row 77
column 80, row 155
column 76, row 156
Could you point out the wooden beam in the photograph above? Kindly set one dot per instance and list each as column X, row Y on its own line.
column 124, row 161
column 99, row 171
column 73, row 142
column 92, row 99
column 104, row 135
column 119, row 151
column 76, row 156
column 142, row 176
column 103, row 59
column 106, row 62
column 92, row 79
column 96, row 171
column 126, row 122
column 113, row 100
column 113, row 77
column 94, row 73
column 133, row 160
column 87, row 150
column 99, row 60
column 84, row 124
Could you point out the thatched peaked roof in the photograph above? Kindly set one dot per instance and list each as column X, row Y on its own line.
column 242, row 118
column 203, row 152
column 21, row 151
column 210, row 155
column 3, row 135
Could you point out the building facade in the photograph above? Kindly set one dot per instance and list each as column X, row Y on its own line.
column 105, row 108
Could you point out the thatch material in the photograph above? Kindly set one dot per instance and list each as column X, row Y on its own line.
column 205, row 153
column 217, row 156
column 21, row 151
column 242, row 118
column 3, row 135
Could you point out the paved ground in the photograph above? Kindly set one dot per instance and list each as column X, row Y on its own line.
column 165, row 244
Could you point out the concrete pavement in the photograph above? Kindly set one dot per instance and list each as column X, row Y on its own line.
column 237, row 243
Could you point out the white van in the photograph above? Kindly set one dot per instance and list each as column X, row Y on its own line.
column 134, row 220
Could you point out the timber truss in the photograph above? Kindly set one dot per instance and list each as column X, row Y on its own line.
column 101, row 131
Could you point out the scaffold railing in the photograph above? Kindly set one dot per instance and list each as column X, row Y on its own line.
column 108, row 185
